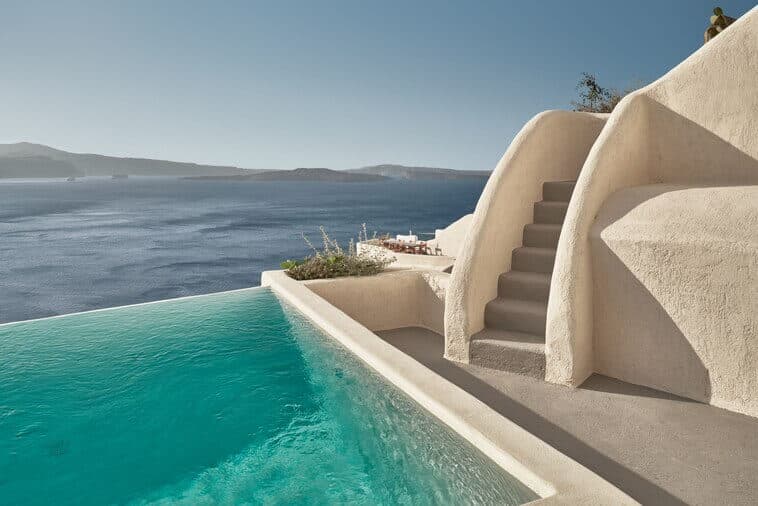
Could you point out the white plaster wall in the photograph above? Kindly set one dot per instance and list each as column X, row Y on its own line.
column 390, row 300
column 675, row 290
column 451, row 238
column 698, row 124
column 552, row 146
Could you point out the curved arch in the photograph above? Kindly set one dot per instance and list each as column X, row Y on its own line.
column 695, row 125
column 551, row 146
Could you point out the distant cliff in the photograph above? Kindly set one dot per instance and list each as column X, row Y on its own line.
column 25, row 159
column 403, row 172
column 303, row 174
column 36, row 166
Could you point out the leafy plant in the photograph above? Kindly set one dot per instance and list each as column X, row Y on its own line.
column 331, row 261
column 289, row 264
column 595, row 98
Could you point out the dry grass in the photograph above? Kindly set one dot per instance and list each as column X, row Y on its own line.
column 331, row 261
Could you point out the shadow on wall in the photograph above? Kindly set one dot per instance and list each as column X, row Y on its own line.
column 675, row 277
column 669, row 304
column 636, row 340
column 683, row 151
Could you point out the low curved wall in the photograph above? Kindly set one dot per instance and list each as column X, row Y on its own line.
column 695, row 125
column 390, row 300
column 552, row 146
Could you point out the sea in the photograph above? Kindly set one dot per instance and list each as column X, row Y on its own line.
column 101, row 242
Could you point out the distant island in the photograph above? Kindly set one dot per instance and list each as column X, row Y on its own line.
column 25, row 159
column 403, row 172
column 302, row 174
column 28, row 160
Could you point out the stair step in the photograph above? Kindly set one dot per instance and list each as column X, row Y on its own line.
column 528, row 259
column 541, row 235
column 558, row 191
column 515, row 352
column 526, row 316
column 524, row 285
column 547, row 211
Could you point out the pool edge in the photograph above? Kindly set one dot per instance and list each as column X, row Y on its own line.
column 111, row 308
column 553, row 476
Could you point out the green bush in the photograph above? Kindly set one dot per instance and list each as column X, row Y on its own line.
column 332, row 262
column 595, row 98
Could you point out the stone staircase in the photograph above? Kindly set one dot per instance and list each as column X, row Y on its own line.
column 514, row 335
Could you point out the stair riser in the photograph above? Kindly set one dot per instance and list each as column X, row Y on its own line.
column 523, row 289
column 506, row 359
column 549, row 214
column 537, row 238
column 526, row 261
column 496, row 317
column 557, row 192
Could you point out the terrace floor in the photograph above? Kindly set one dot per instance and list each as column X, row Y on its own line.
column 657, row 447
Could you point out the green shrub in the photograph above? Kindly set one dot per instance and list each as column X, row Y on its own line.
column 333, row 262
column 595, row 98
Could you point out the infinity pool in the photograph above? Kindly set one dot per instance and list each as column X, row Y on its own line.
column 221, row 399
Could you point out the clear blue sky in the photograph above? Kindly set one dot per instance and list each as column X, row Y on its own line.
column 338, row 84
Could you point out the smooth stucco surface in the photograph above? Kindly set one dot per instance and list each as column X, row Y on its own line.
column 675, row 273
column 415, row 298
column 551, row 147
column 451, row 239
column 552, row 475
column 696, row 125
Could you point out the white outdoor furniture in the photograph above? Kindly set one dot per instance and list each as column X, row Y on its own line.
column 407, row 238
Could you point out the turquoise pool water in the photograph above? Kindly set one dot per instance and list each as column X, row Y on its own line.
column 231, row 398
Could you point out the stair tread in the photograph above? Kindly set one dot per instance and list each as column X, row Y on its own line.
column 519, row 305
column 553, row 203
column 558, row 191
column 542, row 235
column 517, row 315
column 533, row 259
column 510, row 339
column 536, row 250
column 550, row 211
column 549, row 227
column 537, row 277
column 524, row 285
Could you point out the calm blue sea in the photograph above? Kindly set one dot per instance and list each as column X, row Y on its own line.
column 98, row 242
column 225, row 399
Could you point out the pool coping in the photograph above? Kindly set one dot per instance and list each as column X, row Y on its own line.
column 553, row 476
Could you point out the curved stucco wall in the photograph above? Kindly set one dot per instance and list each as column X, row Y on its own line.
column 552, row 146
column 696, row 125
column 675, row 291
column 450, row 239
